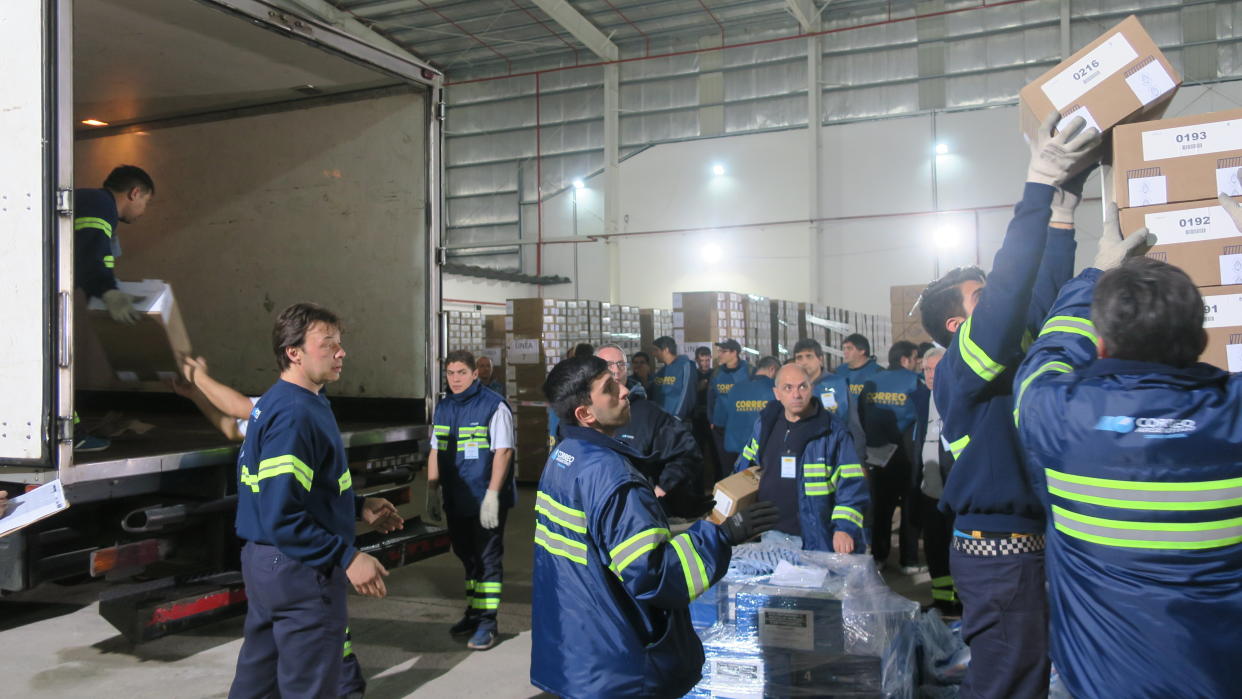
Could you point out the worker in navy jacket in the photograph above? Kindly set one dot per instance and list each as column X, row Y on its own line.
column 748, row 400
column 96, row 212
column 809, row 468
column 295, row 512
column 612, row 584
column 1135, row 447
column 730, row 371
column 998, row 545
column 894, row 411
column 832, row 389
column 673, row 386
column 859, row 364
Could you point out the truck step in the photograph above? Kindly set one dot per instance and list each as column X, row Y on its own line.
column 147, row 611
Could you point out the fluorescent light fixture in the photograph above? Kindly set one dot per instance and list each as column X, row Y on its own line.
column 712, row 253
column 579, row 184
column 94, row 122
column 942, row 149
column 718, row 170
column 946, row 237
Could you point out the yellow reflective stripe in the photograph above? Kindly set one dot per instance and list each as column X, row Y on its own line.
column 349, row 647
column 470, row 586
column 249, row 479
column 1139, row 495
column 942, row 581
column 441, row 444
column 691, row 565
column 627, row 551
column 441, row 430
column 568, row 517
column 749, row 450
column 1148, row 535
column 109, row 261
column 488, row 587
column 478, row 444
column 946, row 595
column 1049, row 366
column 847, row 471
column 485, row 603
column 818, row 488
column 92, row 222
column 558, row 545
column 1070, row 324
column 346, row 481
column 815, row 470
column 959, row 446
column 287, row 463
column 847, row 513
column 974, row 356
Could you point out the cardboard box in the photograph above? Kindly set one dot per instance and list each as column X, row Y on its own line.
column 1223, row 321
column 735, row 492
column 1177, row 160
column 152, row 348
column 1118, row 78
column 1197, row 236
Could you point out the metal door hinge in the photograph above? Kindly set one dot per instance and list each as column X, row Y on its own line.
column 441, row 111
column 64, row 202
column 64, row 429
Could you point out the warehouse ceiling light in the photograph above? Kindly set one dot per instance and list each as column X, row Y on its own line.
column 718, row 170
column 946, row 237
column 942, row 149
column 579, row 184
column 712, row 253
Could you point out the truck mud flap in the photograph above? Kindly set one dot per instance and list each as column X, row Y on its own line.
column 146, row 611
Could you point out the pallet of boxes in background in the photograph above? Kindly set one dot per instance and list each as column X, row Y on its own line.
column 758, row 329
column 702, row 318
column 653, row 323
column 784, row 328
column 465, row 331
column 906, row 325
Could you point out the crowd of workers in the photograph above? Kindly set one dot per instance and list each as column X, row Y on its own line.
column 1072, row 469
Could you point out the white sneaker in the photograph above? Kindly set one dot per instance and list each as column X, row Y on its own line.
column 913, row 570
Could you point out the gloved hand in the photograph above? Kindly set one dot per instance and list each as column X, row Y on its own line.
column 1114, row 249
column 1067, row 198
column 435, row 506
column 1057, row 157
column 1231, row 206
column 489, row 511
column 120, row 306
column 750, row 522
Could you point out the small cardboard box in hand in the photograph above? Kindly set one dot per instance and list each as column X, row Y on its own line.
column 152, row 348
column 735, row 492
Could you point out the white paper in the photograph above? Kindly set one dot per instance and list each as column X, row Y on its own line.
column 1086, row 116
column 1189, row 225
column 1150, row 82
column 1223, row 311
column 524, row 351
column 790, row 575
column 28, row 508
column 880, row 456
column 1230, row 269
column 1227, row 181
column 1102, row 61
column 1234, row 354
column 829, row 399
column 787, row 628
column 1148, row 191
column 724, row 503
column 472, row 450
column 789, row 467
column 733, row 673
column 1216, row 137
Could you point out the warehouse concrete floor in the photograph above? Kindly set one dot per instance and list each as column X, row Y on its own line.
column 55, row 644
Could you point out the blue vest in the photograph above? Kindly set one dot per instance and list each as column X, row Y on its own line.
column 888, row 406
column 461, row 429
column 834, row 393
column 748, row 400
column 858, row 377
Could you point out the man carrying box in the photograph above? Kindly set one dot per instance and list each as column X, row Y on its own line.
column 809, row 468
column 998, row 547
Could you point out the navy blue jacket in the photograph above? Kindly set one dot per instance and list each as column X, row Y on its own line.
column 834, row 393
column 669, row 456
column 832, row 490
column 988, row 489
column 94, row 250
column 1141, row 472
column 748, row 400
column 460, row 429
column 858, row 377
column 612, row 585
column 294, row 488
column 723, row 380
column 673, row 387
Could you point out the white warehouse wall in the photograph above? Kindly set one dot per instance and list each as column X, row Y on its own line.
column 877, row 193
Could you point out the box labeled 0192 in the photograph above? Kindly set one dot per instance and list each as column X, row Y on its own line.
column 1197, row 236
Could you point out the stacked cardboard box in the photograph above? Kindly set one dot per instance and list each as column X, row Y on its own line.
column 465, row 331
column 830, row 325
column 808, row 328
column 703, row 318
column 653, row 323
column 625, row 328
column 1166, row 176
column 758, row 328
column 907, row 326
column 784, row 328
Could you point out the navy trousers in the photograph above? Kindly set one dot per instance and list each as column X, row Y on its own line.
column 296, row 636
column 482, row 553
column 1005, row 623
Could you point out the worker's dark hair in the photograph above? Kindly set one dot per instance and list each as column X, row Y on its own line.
column 634, row 357
column 1149, row 311
column 666, row 343
column 292, row 325
column 899, row 351
column 582, row 349
column 809, row 344
column 860, row 341
column 766, row 363
column 702, row 352
column 125, row 177
column 942, row 300
column 460, row 357
column 568, row 386
column 923, row 347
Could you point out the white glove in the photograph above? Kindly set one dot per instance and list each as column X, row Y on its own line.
column 1114, row 249
column 1231, row 207
column 1063, row 205
column 489, row 511
column 435, row 506
column 120, row 306
column 1055, row 157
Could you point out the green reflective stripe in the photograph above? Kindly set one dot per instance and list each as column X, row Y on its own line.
column 749, row 450
column 441, row 430
column 959, row 446
column 574, row 520
column 346, row 481
column 349, row 645
column 109, row 261
column 1139, row 495
column 286, row 463
column 558, row 545
column 847, row 471
column 492, row 588
column 623, row 554
column 945, row 595
column 1049, row 366
column 485, row 603
column 470, row 586
column 942, row 581
column 818, row 488
column 92, row 222
column 691, row 565
column 974, row 356
column 847, row 513
column 1070, row 324
column 441, row 444
column 1148, row 535
column 815, row 470
column 249, row 479
column 1027, row 341
column 468, row 432
column 478, row 444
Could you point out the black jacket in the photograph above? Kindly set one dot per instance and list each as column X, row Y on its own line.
column 670, row 456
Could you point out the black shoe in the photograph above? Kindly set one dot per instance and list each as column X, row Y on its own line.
column 466, row 626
